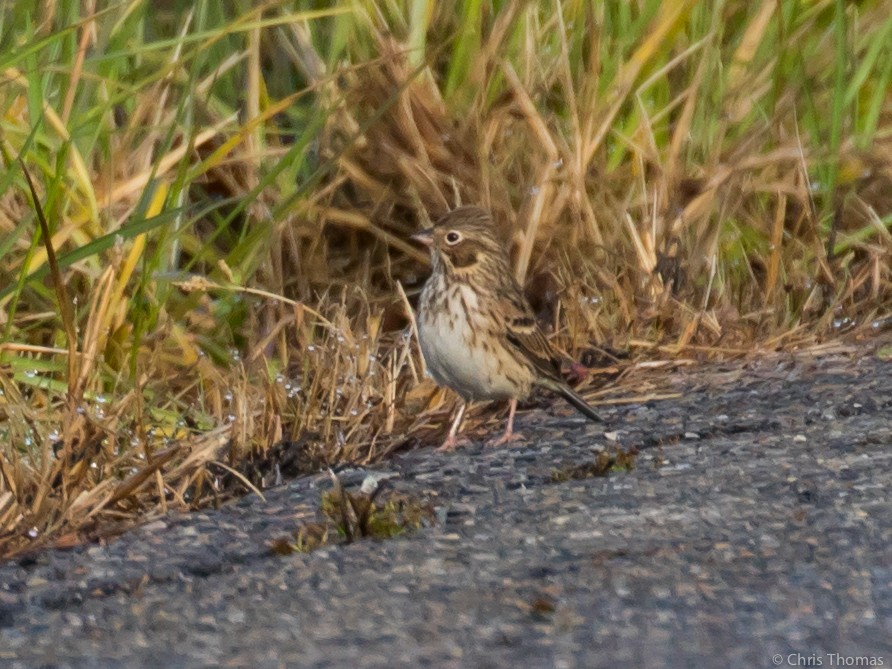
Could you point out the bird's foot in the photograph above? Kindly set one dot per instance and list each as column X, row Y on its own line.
column 453, row 443
column 507, row 438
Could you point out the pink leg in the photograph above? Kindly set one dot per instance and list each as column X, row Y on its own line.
column 509, row 435
column 451, row 440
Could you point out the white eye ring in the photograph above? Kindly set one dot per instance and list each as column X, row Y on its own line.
column 453, row 237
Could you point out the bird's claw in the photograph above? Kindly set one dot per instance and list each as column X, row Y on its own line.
column 452, row 444
column 507, row 438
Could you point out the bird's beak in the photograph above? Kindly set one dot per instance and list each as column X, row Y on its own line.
column 425, row 237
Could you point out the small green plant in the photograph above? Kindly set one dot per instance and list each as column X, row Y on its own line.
column 619, row 460
column 350, row 516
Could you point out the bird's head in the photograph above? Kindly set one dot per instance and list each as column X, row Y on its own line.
column 463, row 239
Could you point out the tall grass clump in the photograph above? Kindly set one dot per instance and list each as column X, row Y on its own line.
column 222, row 293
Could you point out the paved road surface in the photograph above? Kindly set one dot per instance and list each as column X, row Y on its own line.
column 755, row 531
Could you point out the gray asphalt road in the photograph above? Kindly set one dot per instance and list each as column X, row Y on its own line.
column 754, row 531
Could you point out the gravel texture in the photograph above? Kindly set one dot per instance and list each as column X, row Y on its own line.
column 754, row 531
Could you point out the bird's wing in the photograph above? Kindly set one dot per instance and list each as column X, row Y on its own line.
column 524, row 334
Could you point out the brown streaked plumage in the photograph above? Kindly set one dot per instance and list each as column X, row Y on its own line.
column 477, row 331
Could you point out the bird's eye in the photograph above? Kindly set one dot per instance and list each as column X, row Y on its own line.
column 453, row 238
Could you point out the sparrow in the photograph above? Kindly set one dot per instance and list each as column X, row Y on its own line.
column 477, row 331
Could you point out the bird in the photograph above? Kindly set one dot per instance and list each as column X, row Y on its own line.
column 476, row 329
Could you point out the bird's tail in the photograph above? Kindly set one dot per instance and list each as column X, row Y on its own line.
column 572, row 397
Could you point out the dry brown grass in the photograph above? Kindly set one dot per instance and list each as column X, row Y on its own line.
column 236, row 250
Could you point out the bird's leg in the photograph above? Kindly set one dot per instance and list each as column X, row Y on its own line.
column 510, row 435
column 451, row 440
column 509, row 428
